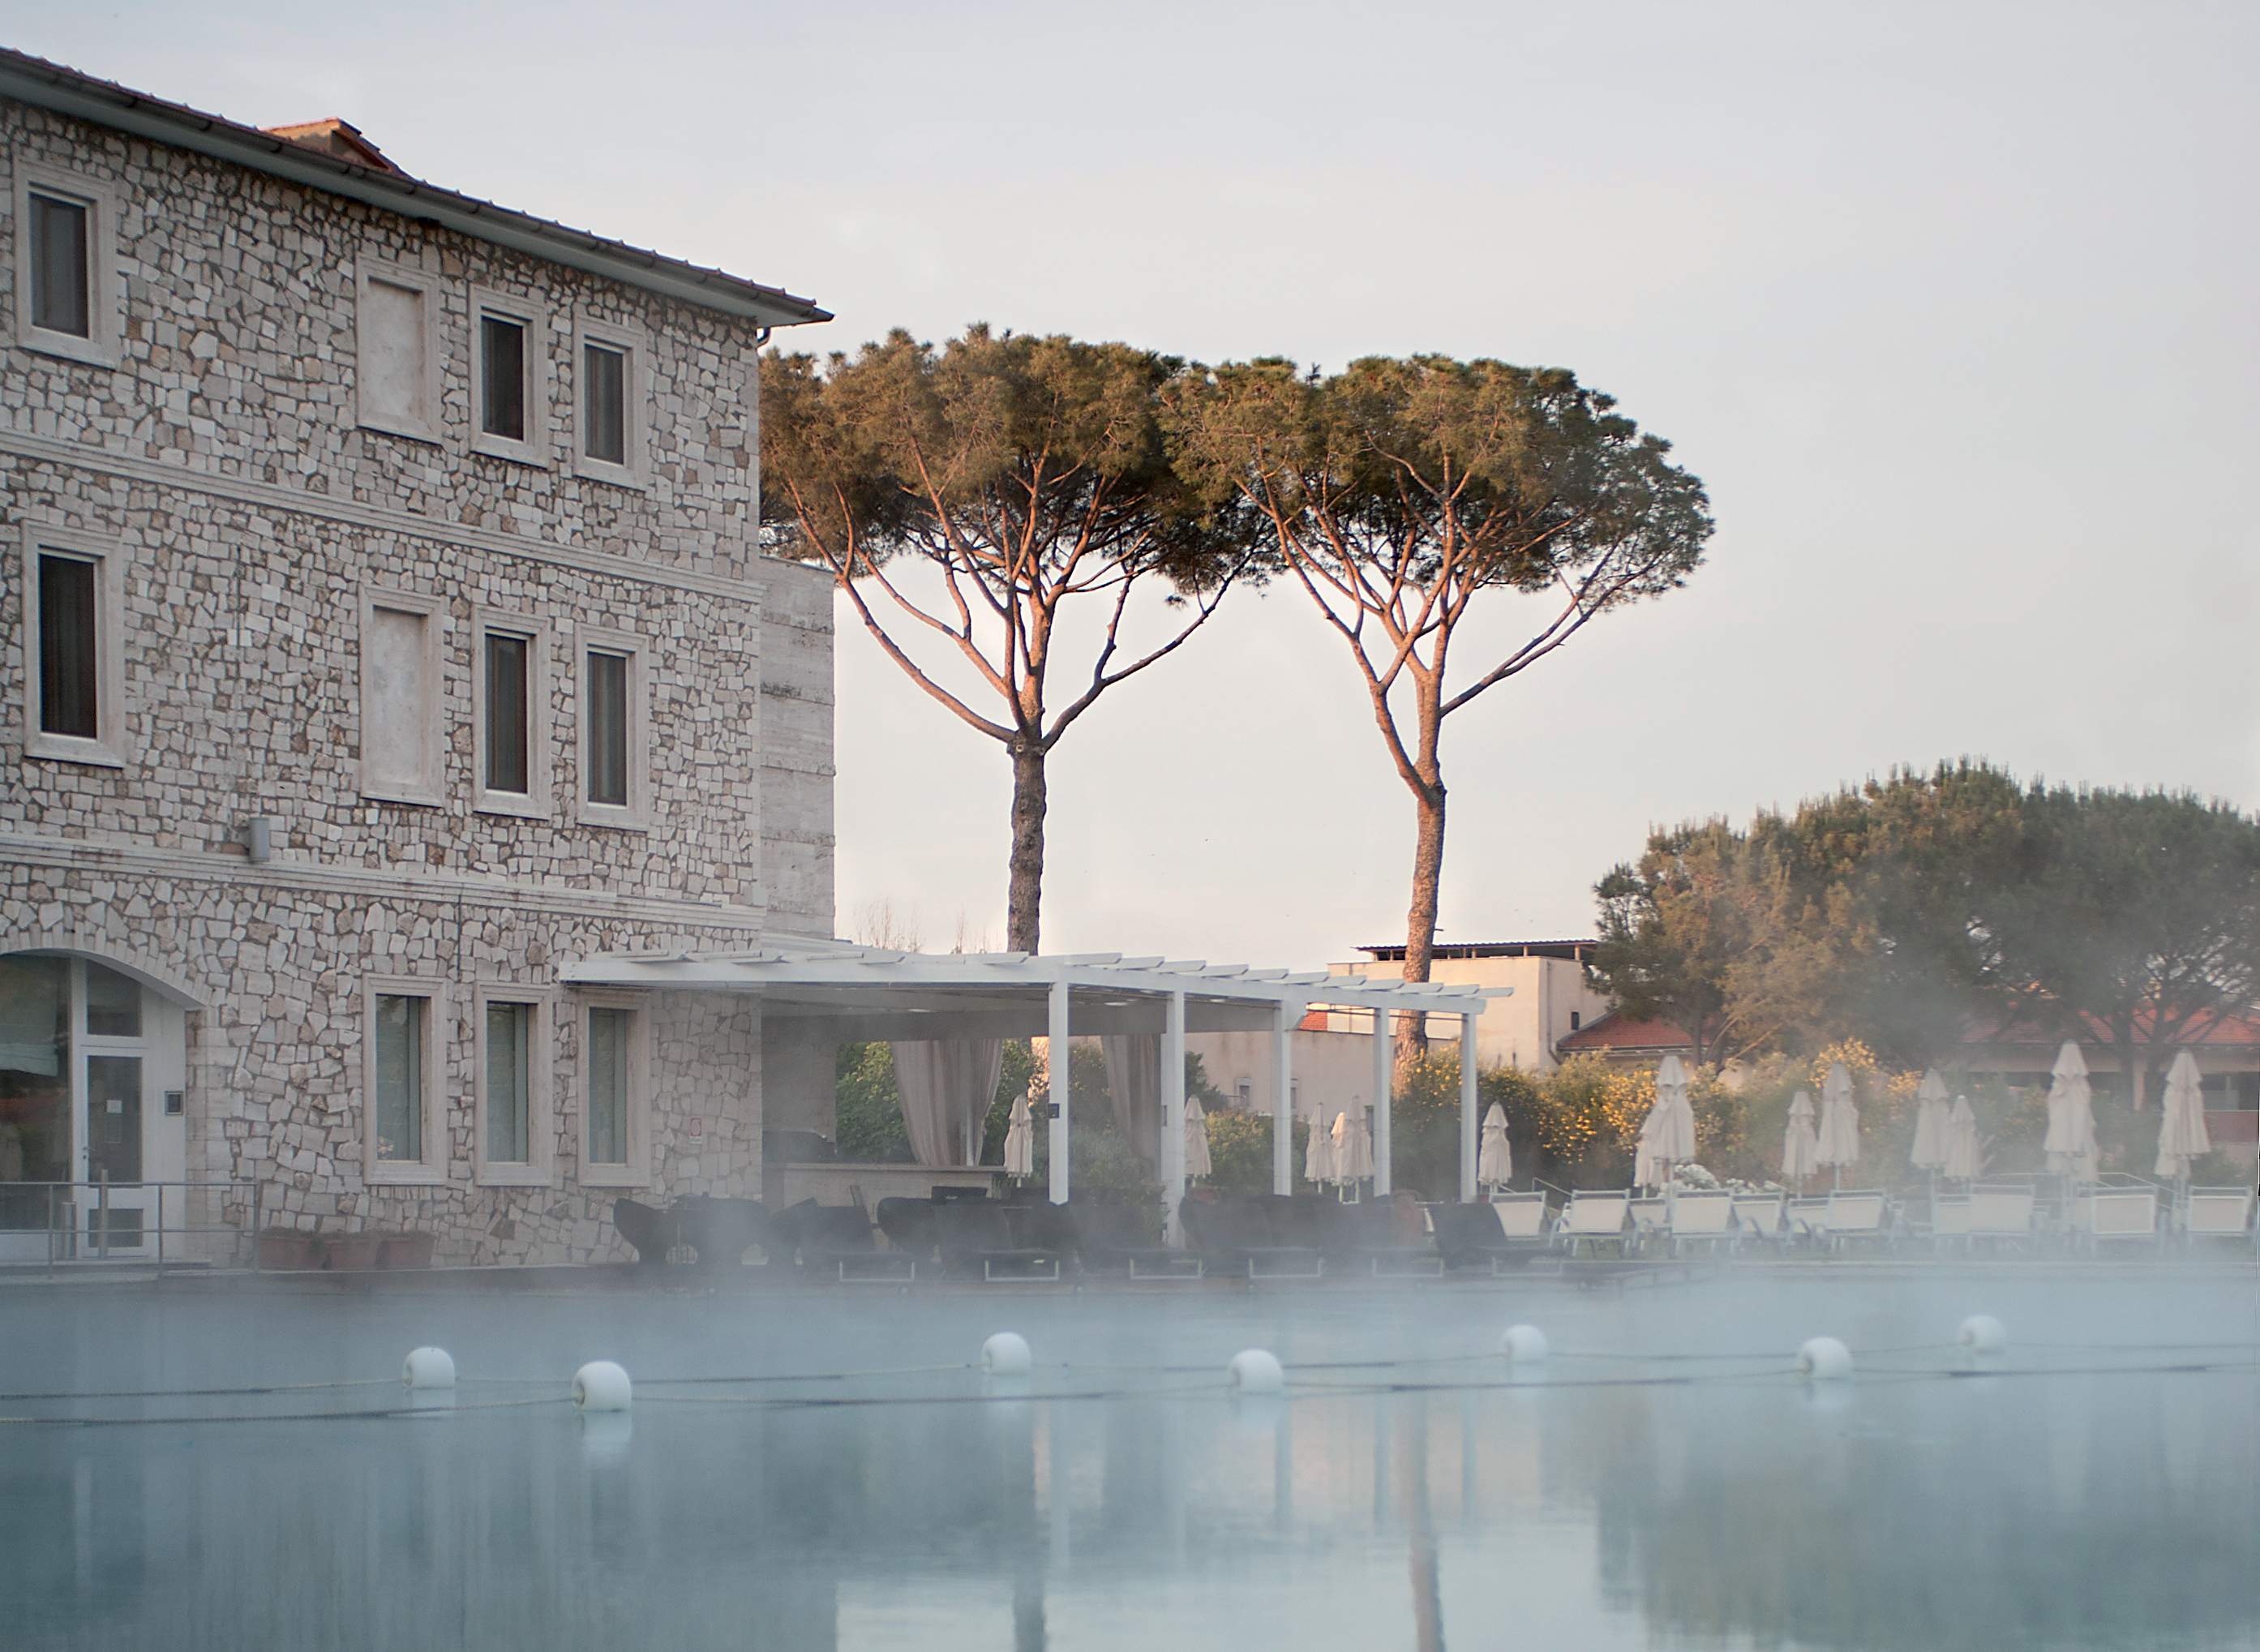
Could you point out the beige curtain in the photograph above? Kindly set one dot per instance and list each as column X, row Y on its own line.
column 1133, row 1076
column 946, row 1086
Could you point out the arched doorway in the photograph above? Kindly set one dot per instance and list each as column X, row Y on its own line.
column 93, row 1081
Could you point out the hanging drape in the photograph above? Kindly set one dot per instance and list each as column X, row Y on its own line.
column 946, row 1086
column 1133, row 1076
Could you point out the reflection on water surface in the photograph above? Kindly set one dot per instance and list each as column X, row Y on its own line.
column 1622, row 1498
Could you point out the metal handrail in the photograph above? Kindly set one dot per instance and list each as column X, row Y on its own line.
column 60, row 1196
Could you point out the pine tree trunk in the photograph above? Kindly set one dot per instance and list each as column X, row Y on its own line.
column 1025, row 903
column 1421, row 921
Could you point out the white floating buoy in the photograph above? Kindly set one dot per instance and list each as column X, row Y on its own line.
column 1983, row 1333
column 1254, row 1370
column 1825, row 1360
column 1524, row 1342
column 601, row 1385
column 428, row 1368
column 1006, row 1355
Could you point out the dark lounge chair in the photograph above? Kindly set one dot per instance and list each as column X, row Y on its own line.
column 1471, row 1236
column 837, row 1239
column 1368, row 1237
column 908, row 1224
column 1245, row 1236
column 653, row 1233
column 1110, row 1237
column 722, row 1230
column 974, row 1233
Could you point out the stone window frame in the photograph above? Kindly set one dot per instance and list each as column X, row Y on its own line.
column 431, row 1170
column 535, row 1169
column 529, row 313
column 104, row 344
column 535, row 803
column 635, row 397
column 635, row 815
column 432, row 793
column 637, row 1171
column 427, row 427
column 109, row 749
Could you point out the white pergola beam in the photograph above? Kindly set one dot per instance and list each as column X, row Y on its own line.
column 1173, row 1119
column 1057, row 1058
column 1384, row 1083
column 1466, row 1108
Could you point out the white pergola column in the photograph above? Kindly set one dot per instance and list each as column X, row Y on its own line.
column 1467, row 1107
column 1173, row 1118
column 1383, row 1080
column 1283, row 1101
column 1061, row 1061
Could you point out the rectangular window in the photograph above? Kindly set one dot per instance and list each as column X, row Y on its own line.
column 400, row 1033
column 72, row 600
column 69, row 650
column 604, row 404
column 608, row 729
column 113, row 1004
column 60, row 266
column 509, row 1082
column 507, row 739
column 66, row 264
column 509, row 715
column 508, row 412
column 609, row 397
column 400, row 696
column 397, row 346
column 609, row 1031
column 502, row 378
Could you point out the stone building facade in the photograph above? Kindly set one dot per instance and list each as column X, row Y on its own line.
column 383, row 622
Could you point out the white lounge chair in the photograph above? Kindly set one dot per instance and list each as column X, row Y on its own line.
column 1702, row 1218
column 1808, row 1218
column 2001, row 1211
column 2217, row 1213
column 1851, row 1214
column 1759, row 1215
column 1594, row 1217
column 1950, row 1218
column 1651, row 1219
column 2120, row 1213
column 1522, row 1216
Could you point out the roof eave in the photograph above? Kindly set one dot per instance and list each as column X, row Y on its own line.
column 49, row 86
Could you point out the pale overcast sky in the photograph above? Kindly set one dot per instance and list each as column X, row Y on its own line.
column 1950, row 305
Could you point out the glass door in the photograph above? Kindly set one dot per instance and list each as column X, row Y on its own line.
column 113, row 1151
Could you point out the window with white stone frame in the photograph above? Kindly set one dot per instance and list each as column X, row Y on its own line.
column 514, row 1130
column 401, row 698
column 405, row 1030
column 71, row 587
column 609, row 401
column 615, row 1076
column 396, row 350
column 615, row 754
column 508, row 398
column 510, row 716
column 67, row 285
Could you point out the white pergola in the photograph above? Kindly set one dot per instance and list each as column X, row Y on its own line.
column 846, row 992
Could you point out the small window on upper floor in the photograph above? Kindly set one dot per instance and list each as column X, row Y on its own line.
column 1575, row 1020
column 74, row 643
column 506, row 377
column 511, row 715
column 609, row 404
column 615, row 751
column 64, row 279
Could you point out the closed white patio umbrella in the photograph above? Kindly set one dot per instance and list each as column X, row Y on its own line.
column 1495, row 1161
column 1965, row 1160
column 1352, row 1150
column 1647, row 1169
column 1020, row 1140
column 1932, row 1142
column 2181, row 1134
column 1319, row 1156
column 1675, row 1115
column 2070, row 1143
column 1198, row 1163
column 1837, row 1142
column 1797, row 1146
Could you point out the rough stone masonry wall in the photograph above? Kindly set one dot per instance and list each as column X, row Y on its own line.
column 222, row 462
